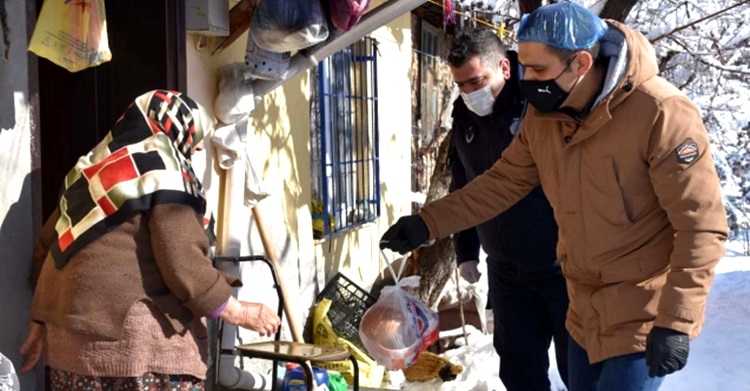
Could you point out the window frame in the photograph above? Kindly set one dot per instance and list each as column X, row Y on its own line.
column 345, row 141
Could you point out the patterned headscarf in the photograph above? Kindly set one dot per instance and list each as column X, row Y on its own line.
column 144, row 160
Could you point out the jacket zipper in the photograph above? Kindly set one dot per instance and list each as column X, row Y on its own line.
column 569, row 137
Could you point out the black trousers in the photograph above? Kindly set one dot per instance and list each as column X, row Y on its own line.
column 529, row 312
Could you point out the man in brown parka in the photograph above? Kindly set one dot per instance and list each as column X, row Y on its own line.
column 625, row 161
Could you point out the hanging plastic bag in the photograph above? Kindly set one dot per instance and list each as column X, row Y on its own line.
column 8, row 376
column 398, row 326
column 264, row 64
column 346, row 13
column 72, row 34
column 285, row 26
column 235, row 99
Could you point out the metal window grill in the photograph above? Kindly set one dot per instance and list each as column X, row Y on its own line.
column 345, row 169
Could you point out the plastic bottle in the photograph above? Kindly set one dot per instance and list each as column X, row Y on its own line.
column 294, row 379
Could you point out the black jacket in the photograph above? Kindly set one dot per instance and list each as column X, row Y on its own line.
column 523, row 238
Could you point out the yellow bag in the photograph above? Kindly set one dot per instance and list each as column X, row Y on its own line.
column 370, row 373
column 72, row 34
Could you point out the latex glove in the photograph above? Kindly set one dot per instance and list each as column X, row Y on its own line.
column 408, row 233
column 469, row 271
column 33, row 347
column 666, row 351
column 253, row 316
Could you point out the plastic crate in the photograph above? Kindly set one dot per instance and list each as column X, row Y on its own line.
column 349, row 302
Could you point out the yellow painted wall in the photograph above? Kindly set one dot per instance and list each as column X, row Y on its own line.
column 280, row 131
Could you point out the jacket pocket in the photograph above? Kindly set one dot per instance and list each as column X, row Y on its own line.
column 626, row 306
column 643, row 264
column 605, row 195
column 630, row 289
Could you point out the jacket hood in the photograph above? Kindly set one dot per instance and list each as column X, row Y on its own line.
column 632, row 61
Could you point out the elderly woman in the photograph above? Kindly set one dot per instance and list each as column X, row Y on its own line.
column 122, row 273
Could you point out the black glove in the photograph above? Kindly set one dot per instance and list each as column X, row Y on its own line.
column 408, row 233
column 666, row 351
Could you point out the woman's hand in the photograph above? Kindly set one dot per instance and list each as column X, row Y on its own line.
column 253, row 316
column 33, row 347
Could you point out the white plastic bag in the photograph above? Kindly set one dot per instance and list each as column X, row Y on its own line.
column 235, row 99
column 8, row 376
column 398, row 326
column 285, row 26
column 264, row 64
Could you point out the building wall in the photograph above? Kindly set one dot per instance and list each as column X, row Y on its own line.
column 280, row 134
column 17, row 172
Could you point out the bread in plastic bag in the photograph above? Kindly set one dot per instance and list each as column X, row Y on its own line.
column 398, row 326
column 285, row 26
column 72, row 34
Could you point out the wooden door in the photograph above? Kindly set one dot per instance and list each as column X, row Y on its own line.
column 147, row 41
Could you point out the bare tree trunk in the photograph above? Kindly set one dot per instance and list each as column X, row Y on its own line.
column 441, row 178
column 617, row 9
column 527, row 6
column 435, row 263
column 613, row 9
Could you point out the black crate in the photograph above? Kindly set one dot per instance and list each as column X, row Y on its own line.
column 349, row 302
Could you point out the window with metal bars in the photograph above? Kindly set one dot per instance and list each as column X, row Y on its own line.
column 344, row 140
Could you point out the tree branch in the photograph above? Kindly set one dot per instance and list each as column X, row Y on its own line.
column 688, row 81
column 693, row 23
column 723, row 68
column 700, row 59
column 666, row 59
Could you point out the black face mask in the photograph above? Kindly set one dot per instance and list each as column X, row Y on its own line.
column 545, row 95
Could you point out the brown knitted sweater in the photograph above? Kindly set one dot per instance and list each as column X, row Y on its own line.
column 131, row 301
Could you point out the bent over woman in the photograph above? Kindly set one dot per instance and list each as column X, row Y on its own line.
column 122, row 272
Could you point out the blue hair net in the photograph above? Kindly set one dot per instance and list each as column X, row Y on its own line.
column 563, row 25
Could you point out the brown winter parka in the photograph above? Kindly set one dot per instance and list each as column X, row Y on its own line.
column 635, row 194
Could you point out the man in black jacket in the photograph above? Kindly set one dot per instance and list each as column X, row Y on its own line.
column 526, row 287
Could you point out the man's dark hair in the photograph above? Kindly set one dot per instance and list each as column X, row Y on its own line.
column 482, row 42
column 565, row 54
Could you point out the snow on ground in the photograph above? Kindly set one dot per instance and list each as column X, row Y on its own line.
column 719, row 357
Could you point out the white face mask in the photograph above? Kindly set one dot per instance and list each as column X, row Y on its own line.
column 480, row 101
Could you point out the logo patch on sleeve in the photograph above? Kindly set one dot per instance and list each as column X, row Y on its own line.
column 687, row 152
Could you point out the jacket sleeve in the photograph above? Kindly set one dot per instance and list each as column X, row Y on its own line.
column 689, row 191
column 180, row 246
column 512, row 177
column 466, row 242
column 43, row 243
